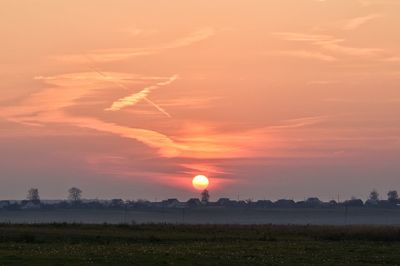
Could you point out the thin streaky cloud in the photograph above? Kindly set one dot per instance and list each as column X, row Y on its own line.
column 190, row 102
column 302, row 37
column 367, row 3
column 369, row 101
column 323, row 82
column 336, row 47
column 166, row 146
column 197, row 36
column 117, row 54
column 393, row 59
column 303, row 54
column 330, row 44
column 298, row 122
column 355, row 23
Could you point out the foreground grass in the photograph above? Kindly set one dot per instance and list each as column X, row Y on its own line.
column 61, row 244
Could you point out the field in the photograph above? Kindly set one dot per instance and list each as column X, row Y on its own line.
column 63, row 244
column 334, row 216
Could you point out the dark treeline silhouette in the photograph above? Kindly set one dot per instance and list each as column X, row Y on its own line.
column 75, row 201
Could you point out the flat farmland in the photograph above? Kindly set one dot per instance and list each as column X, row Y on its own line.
column 64, row 244
column 337, row 216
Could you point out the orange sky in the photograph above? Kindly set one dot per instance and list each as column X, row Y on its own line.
column 131, row 99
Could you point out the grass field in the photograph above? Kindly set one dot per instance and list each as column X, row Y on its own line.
column 62, row 244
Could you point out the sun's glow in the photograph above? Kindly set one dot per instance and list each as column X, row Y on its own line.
column 200, row 182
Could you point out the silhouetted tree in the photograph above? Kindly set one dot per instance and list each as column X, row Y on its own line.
column 205, row 196
column 313, row 202
column 33, row 195
column 354, row 202
column 393, row 196
column 74, row 194
column 374, row 195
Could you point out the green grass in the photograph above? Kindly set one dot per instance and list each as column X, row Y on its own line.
column 62, row 244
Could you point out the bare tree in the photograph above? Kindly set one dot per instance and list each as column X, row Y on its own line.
column 374, row 195
column 33, row 195
column 75, row 194
column 393, row 196
column 205, row 196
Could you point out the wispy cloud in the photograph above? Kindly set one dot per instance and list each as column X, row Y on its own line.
column 367, row 3
column 189, row 102
column 298, row 122
column 206, row 168
column 165, row 145
column 303, row 54
column 303, row 37
column 47, row 108
column 336, row 47
column 393, row 59
column 115, row 54
column 330, row 44
column 323, row 82
column 355, row 23
column 135, row 31
column 364, row 101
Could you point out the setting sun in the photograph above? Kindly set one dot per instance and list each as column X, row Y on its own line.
column 200, row 182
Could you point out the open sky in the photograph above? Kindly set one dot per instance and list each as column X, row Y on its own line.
column 132, row 99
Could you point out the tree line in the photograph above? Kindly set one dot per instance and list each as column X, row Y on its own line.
column 74, row 200
column 74, row 194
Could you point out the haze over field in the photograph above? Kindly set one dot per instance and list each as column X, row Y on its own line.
column 132, row 99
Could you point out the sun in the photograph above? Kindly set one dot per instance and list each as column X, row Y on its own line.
column 200, row 182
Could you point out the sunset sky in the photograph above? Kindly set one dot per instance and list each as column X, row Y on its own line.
column 133, row 98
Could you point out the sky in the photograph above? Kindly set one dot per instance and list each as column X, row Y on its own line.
column 131, row 99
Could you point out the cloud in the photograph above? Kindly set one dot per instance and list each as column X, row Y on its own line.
column 367, row 3
column 298, row 122
column 207, row 143
column 393, row 59
column 135, row 31
column 355, row 23
column 323, row 82
column 330, row 44
column 193, row 168
column 153, row 139
column 48, row 108
column 190, row 102
column 115, row 54
column 336, row 47
column 302, row 37
column 365, row 101
column 194, row 37
column 303, row 54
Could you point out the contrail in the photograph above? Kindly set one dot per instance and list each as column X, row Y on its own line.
column 134, row 98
